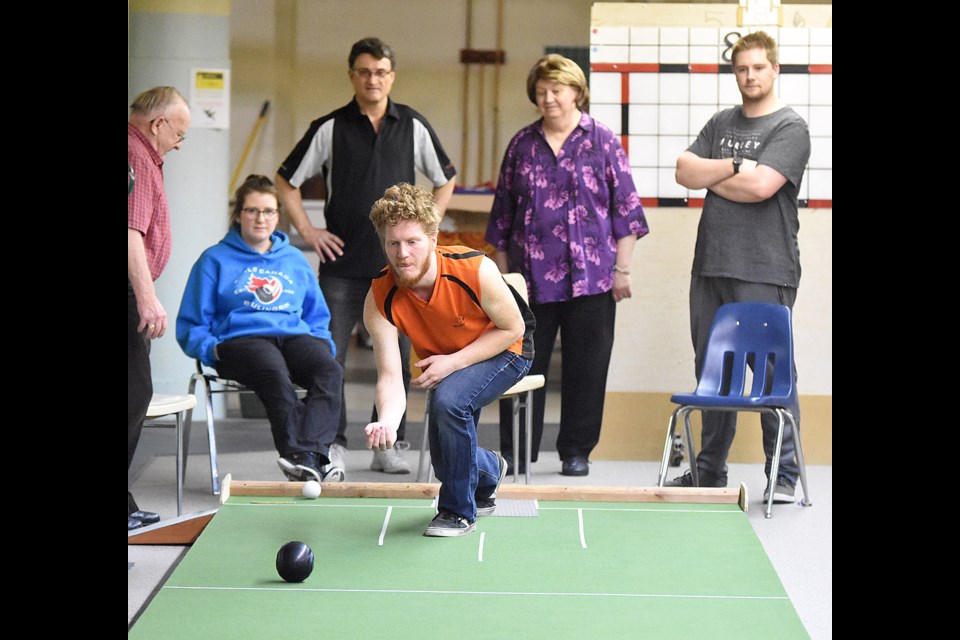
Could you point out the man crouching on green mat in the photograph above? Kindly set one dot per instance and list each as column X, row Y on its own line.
column 473, row 335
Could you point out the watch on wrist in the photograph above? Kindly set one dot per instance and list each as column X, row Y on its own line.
column 737, row 161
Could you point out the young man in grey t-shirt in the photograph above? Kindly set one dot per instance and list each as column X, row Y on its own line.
column 750, row 159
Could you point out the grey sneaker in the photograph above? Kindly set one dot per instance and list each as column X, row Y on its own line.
column 332, row 473
column 391, row 460
column 486, row 506
column 783, row 492
column 706, row 480
column 336, row 455
column 447, row 524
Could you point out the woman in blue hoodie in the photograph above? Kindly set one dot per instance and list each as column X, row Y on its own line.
column 252, row 309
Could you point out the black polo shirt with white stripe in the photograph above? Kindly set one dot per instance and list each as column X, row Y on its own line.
column 358, row 164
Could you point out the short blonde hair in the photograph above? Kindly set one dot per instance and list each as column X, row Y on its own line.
column 756, row 40
column 405, row 202
column 556, row 68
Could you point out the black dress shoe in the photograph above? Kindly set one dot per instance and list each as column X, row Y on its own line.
column 133, row 523
column 146, row 517
column 575, row 466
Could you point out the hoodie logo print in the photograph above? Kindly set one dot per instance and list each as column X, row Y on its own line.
column 267, row 290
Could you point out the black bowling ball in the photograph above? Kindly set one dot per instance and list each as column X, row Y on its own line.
column 295, row 561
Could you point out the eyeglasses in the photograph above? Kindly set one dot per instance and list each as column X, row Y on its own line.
column 366, row 73
column 253, row 212
column 181, row 137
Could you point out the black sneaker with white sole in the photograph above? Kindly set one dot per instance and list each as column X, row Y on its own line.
column 305, row 465
column 487, row 505
column 448, row 524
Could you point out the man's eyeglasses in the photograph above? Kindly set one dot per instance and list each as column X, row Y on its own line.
column 253, row 212
column 366, row 73
column 181, row 137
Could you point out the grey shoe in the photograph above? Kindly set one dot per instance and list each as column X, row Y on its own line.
column 332, row 473
column 486, row 506
column 706, row 480
column 447, row 524
column 783, row 492
column 336, row 455
column 391, row 460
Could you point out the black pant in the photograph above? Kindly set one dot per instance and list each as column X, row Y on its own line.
column 270, row 366
column 139, row 383
column 586, row 327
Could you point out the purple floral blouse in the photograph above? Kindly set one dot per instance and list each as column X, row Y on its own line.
column 559, row 217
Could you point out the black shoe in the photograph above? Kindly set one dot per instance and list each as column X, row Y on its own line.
column 446, row 524
column 133, row 523
column 306, row 465
column 706, row 480
column 486, row 506
column 301, row 466
column 509, row 458
column 575, row 466
column 146, row 517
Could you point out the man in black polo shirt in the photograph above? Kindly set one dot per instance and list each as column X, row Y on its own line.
column 361, row 149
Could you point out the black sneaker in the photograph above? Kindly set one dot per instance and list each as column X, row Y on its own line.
column 301, row 466
column 446, row 524
column 486, row 506
column 783, row 493
column 706, row 480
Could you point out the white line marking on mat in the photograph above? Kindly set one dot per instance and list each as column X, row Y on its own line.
column 480, row 551
column 386, row 521
column 490, row 593
column 583, row 542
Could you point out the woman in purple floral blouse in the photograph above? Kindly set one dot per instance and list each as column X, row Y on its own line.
column 566, row 215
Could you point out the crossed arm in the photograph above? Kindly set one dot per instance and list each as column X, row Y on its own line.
column 754, row 183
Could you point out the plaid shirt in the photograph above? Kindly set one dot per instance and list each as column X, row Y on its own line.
column 147, row 209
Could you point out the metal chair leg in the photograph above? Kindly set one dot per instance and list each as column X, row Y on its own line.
column 528, row 410
column 688, row 433
column 425, row 444
column 801, row 466
column 211, row 440
column 774, row 464
column 667, row 447
column 181, row 461
column 515, row 421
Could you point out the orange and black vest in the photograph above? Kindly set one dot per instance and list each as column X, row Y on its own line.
column 453, row 317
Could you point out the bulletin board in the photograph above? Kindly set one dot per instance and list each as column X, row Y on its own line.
column 658, row 72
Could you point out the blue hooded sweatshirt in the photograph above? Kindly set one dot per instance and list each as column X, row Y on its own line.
column 235, row 291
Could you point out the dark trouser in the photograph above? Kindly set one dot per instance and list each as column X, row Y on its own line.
column 271, row 366
column 139, row 383
column 586, row 327
column 719, row 427
column 345, row 297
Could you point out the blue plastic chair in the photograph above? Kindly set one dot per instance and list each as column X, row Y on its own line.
column 744, row 337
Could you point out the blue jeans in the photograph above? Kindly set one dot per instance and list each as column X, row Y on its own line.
column 464, row 470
